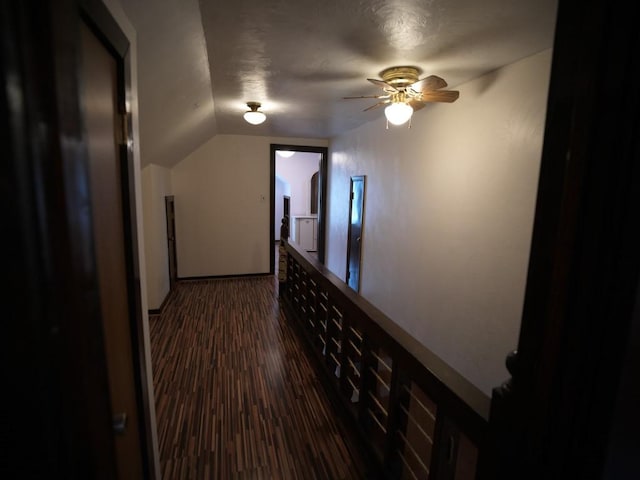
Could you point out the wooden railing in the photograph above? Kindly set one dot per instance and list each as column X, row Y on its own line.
column 417, row 417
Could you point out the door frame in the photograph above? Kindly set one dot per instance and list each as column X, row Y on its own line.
column 100, row 20
column 60, row 393
column 322, row 195
column 96, row 15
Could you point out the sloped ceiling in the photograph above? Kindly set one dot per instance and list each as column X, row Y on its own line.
column 200, row 62
column 174, row 85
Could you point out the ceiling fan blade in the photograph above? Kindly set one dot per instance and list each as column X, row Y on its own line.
column 379, row 104
column 416, row 105
column 367, row 96
column 447, row 96
column 432, row 82
column 384, row 85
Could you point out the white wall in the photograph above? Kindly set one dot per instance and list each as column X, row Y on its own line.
column 448, row 215
column 222, row 205
column 297, row 170
column 156, row 184
column 118, row 14
column 282, row 188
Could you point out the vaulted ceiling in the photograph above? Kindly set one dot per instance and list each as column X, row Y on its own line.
column 199, row 62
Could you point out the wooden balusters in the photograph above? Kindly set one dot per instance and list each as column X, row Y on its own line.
column 413, row 440
column 375, row 397
column 418, row 418
column 352, row 360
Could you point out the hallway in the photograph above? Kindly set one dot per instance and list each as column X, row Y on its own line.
column 235, row 395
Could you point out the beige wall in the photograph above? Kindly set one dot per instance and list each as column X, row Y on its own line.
column 448, row 218
column 156, row 184
column 116, row 10
column 222, row 193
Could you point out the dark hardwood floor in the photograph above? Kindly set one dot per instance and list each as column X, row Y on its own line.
column 235, row 395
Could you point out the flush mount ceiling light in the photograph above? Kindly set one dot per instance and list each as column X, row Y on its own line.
column 286, row 153
column 405, row 92
column 253, row 116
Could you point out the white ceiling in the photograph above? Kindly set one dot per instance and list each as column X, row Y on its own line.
column 201, row 61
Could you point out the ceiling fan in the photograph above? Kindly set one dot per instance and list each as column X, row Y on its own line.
column 404, row 92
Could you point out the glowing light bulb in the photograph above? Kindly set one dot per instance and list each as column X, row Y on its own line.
column 398, row 112
column 253, row 116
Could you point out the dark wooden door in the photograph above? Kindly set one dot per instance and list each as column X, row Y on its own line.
column 354, row 250
column 63, row 353
column 286, row 214
column 99, row 103
column 314, row 193
column 286, row 208
column 171, row 240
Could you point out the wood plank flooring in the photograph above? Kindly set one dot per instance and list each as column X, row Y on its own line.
column 236, row 398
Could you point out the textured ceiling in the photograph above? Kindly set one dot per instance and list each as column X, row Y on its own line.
column 200, row 62
column 174, row 86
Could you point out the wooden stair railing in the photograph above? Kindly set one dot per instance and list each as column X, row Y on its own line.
column 417, row 416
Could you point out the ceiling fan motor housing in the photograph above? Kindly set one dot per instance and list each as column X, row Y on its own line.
column 400, row 77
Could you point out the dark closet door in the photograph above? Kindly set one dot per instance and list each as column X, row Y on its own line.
column 99, row 103
column 354, row 251
column 171, row 240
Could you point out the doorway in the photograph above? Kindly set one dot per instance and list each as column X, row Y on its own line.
column 354, row 239
column 320, row 194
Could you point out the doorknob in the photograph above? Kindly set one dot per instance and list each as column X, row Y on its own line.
column 119, row 423
column 358, row 239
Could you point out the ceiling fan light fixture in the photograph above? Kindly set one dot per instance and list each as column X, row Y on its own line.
column 253, row 116
column 398, row 113
column 405, row 92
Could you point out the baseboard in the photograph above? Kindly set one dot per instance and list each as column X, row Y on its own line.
column 158, row 311
column 222, row 277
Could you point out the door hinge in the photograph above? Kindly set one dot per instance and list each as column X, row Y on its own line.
column 122, row 133
column 120, row 423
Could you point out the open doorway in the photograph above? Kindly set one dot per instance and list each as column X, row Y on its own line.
column 300, row 190
column 297, row 178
